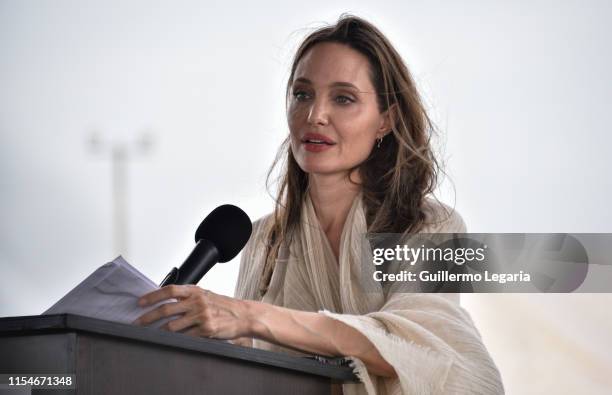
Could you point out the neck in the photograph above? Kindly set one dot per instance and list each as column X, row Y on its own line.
column 332, row 196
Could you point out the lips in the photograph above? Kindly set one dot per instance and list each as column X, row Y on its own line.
column 315, row 142
column 318, row 139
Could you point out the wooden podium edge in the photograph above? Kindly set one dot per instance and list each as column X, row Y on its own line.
column 59, row 322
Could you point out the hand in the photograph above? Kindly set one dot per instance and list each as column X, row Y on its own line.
column 203, row 313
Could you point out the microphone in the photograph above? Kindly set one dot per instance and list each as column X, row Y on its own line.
column 219, row 238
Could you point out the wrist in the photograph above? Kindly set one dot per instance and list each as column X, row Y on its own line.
column 255, row 312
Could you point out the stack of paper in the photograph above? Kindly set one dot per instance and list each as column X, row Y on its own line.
column 110, row 293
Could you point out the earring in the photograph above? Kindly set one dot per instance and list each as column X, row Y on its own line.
column 379, row 141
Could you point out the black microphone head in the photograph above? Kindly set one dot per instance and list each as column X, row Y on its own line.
column 228, row 228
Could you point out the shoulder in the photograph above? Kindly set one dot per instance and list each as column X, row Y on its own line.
column 252, row 260
column 259, row 232
column 440, row 218
column 260, row 227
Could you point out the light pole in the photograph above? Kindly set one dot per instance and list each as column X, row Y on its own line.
column 120, row 153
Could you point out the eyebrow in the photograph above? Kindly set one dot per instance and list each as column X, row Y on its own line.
column 335, row 84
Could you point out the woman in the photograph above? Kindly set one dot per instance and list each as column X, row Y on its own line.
column 358, row 160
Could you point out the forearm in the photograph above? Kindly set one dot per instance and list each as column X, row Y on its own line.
column 314, row 333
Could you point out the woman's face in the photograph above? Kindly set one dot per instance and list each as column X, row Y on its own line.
column 333, row 114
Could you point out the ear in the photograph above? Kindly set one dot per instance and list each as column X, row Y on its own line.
column 389, row 118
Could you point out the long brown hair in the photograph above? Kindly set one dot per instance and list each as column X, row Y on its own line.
column 397, row 175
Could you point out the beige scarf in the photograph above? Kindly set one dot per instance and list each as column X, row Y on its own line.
column 428, row 338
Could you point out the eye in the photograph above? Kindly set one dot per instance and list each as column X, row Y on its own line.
column 341, row 99
column 300, row 95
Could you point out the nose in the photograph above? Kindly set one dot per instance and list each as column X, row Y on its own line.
column 318, row 113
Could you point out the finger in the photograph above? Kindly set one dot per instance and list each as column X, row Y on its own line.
column 165, row 310
column 182, row 323
column 167, row 292
column 242, row 341
column 195, row 331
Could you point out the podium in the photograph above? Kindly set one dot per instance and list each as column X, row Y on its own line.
column 111, row 358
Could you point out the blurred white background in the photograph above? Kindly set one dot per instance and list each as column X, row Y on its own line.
column 520, row 91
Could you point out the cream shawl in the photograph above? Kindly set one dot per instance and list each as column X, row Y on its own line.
column 428, row 338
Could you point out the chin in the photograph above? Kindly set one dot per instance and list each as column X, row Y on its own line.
column 316, row 169
column 308, row 165
column 320, row 169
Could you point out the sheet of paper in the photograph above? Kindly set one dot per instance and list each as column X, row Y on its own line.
column 109, row 293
